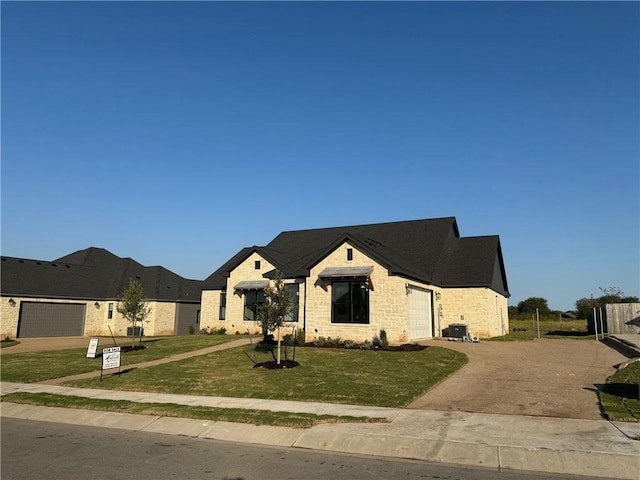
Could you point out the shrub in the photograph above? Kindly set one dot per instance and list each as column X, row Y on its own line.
column 348, row 343
column 320, row 341
column 192, row 329
column 384, row 343
column 366, row 345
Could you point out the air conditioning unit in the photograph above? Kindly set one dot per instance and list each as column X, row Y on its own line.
column 134, row 331
column 458, row 330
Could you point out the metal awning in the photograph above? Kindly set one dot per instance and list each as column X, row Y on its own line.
column 346, row 272
column 251, row 285
column 353, row 273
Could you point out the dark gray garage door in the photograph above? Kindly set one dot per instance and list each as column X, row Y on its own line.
column 41, row 319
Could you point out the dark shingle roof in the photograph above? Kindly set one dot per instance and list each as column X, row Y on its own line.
column 93, row 273
column 429, row 251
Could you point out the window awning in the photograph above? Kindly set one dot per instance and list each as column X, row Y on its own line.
column 346, row 272
column 251, row 285
column 343, row 273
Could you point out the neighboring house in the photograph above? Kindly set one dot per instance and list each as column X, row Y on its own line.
column 413, row 279
column 77, row 295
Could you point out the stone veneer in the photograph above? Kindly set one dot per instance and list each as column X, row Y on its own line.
column 161, row 320
column 484, row 311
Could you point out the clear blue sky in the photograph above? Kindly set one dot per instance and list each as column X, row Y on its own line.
column 177, row 133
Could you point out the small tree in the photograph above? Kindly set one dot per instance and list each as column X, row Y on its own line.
column 133, row 306
column 277, row 305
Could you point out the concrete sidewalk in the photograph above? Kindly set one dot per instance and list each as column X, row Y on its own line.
column 555, row 445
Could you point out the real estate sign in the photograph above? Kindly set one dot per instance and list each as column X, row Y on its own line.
column 93, row 347
column 110, row 358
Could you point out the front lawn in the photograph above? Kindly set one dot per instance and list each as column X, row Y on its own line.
column 38, row 366
column 361, row 377
column 239, row 415
column 620, row 396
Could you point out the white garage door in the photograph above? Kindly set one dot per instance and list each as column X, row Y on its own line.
column 41, row 319
column 420, row 313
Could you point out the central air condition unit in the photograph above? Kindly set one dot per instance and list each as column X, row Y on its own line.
column 458, row 330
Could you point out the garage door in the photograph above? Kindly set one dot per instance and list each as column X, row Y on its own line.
column 40, row 319
column 420, row 314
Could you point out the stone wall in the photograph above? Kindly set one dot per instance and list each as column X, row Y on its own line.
column 388, row 302
column 484, row 311
column 161, row 320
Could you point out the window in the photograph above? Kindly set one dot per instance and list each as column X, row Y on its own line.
column 349, row 254
column 222, row 315
column 293, row 289
column 110, row 312
column 253, row 300
column 350, row 302
column 257, row 264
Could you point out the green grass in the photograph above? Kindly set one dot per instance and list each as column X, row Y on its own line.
column 256, row 417
column 362, row 377
column 38, row 366
column 620, row 396
column 8, row 343
column 524, row 329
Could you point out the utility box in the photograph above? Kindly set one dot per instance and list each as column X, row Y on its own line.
column 458, row 330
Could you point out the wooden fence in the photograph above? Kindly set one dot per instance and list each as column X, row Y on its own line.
column 622, row 318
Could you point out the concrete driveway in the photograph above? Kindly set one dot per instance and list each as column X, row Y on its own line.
column 552, row 378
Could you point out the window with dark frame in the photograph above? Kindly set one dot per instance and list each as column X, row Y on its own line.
column 257, row 264
column 294, row 294
column 253, row 300
column 110, row 312
column 349, row 254
column 350, row 302
column 223, row 305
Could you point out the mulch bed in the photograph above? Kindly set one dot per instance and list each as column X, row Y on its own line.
column 129, row 348
column 273, row 365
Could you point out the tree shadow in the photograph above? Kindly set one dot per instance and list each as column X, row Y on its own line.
column 621, row 390
column 564, row 333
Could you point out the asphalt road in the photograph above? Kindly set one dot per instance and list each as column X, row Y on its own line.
column 38, row 450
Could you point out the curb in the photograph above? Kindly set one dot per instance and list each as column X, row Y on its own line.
column 356, row 439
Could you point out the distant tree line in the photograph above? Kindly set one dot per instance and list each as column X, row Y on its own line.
column 584, row 306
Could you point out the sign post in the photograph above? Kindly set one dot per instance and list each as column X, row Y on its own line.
column 110, row 359
column 93, row 347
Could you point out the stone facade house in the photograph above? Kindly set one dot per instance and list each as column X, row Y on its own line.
column 77, row 295
column 414, row 279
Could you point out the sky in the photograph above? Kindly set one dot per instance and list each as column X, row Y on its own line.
column 177, row 133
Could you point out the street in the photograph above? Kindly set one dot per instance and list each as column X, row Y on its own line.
column 41, row 450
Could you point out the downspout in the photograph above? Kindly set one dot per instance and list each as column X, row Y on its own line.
column 304, row 310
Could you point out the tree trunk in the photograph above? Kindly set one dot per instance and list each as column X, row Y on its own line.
column 278, row 361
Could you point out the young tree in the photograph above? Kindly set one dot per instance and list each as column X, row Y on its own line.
column 133, row 306
column 278, row 304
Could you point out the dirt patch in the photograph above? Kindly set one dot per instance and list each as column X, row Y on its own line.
column 553, row 378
